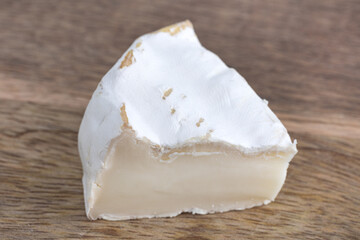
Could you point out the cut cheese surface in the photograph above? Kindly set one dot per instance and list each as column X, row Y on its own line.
column 172, row 129
column 203, row 178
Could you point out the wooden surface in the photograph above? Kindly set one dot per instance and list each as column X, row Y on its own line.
column 302, row 56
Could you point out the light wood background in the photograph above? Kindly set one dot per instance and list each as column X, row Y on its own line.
column 302, row 56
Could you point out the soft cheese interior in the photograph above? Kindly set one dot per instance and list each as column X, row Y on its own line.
column 171, row 129
column 200, row 178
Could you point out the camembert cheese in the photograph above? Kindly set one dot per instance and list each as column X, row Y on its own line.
column 171, row 129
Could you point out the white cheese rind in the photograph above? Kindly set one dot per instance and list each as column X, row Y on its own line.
column 176, row 92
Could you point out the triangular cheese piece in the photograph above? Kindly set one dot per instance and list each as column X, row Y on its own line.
column 171, row 129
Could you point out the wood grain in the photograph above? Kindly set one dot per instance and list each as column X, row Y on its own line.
column 302, row 56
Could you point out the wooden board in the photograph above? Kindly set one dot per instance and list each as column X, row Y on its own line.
column 302, row 56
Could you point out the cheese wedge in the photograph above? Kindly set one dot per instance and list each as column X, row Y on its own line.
column 172, row 129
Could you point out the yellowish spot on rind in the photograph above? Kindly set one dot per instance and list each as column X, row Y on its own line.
column 167, row 93
column 124, row 116
column 208, row 134
column 128, row 60
column 173, row 111
column 176, row 28
column 199, row 122
column 138, row 44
